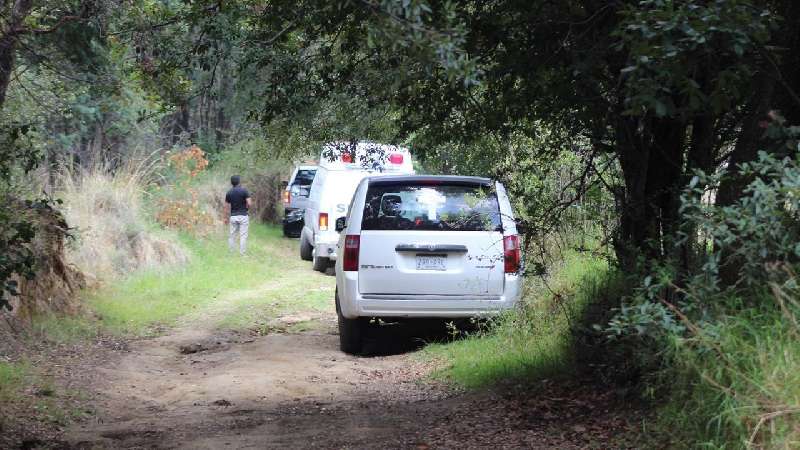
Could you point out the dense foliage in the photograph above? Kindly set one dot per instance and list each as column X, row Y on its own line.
column 661, row 88
column 660, row 129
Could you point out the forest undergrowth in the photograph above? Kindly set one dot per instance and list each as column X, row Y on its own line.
column 718, row 364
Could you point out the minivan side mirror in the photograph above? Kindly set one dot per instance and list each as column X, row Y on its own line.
column 284, row 184
column 341, row 222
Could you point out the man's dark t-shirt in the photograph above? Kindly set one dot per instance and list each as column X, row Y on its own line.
column 237, row 197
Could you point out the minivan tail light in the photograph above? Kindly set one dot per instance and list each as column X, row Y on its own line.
column 323, row 221
column 352, row 242
column 512, row 254
column 287, row 197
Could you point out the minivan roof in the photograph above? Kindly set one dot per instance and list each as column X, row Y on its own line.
column 422, row 179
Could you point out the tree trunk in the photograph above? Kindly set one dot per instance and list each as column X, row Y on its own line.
column 219, row 127
column 788, row 60
column 703, row 149
column 8, row 44
column 774, row 90
column 652, row 159
column 747, row 144
column 633, row 158
column 180, row 122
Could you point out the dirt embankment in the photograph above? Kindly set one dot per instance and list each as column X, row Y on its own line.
column 53, row 287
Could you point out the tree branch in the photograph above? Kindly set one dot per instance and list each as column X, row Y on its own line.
column 61, row 22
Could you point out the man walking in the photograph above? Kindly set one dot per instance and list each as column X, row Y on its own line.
column 237, row 202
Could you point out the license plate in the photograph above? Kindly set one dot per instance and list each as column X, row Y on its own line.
column 431, row 262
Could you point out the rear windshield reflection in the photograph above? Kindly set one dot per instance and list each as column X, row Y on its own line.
column 431, row 207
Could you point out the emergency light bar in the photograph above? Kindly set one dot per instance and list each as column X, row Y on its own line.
column 366, row 156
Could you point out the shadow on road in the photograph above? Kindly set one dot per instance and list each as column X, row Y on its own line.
column 383, row 338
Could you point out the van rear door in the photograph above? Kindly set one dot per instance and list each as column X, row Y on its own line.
column 338, row 192
column 442, row 238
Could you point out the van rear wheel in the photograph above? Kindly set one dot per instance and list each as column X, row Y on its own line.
column 350, row 331
column 305, row 249
column 321, row 264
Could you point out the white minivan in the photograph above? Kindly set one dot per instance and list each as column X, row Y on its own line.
column 342, row 166
column 425, row 246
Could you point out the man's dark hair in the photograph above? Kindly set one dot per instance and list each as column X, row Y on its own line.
column 235, row 180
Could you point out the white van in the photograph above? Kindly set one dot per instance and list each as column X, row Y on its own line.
column 342, row 166
column 425, row 246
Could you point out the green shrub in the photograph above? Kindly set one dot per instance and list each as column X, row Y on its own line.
column 261, row 176
column 722, row 356
column 762, row 227
column 16, row 258
column 537, row 340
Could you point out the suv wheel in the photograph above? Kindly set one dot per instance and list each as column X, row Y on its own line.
column 350, row 331
column 321, row 264
column 305, row 249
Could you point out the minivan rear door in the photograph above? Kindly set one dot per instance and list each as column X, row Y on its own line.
column 442, row 239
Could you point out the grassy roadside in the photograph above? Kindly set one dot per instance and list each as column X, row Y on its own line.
column 534, row 341
column 732, row 385
column 270, row 280
column 216, row 289
column 29, row 397
column 737, row 386
column 12, row 379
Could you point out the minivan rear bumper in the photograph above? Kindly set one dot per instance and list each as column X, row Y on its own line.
column 354, row 304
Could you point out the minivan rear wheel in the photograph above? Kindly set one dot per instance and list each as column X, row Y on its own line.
column 305, row 249
column 350, row 331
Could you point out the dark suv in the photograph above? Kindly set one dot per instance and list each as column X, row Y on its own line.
column 295, row 197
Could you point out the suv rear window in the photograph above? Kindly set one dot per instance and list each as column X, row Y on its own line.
column 304, row 177
column 301, row 190
column 440, row 207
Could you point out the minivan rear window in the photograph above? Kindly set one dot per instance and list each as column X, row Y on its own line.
column 431, row 207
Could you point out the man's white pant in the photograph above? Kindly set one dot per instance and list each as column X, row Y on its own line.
column 239, row 225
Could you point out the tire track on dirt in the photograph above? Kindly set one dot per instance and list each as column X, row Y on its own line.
column 202, row 386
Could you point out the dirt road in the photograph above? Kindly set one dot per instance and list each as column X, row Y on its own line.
column 195, row 389
column 285, row 384
column 192, row 389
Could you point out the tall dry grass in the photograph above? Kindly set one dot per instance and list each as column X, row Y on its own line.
column 112, row 230
column 126, row 216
